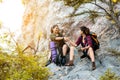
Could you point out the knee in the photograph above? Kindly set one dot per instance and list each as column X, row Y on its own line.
column 64, row 46
column 90, row 48
column 72, row 48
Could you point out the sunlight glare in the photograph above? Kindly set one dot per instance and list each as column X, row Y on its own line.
column 11, row 13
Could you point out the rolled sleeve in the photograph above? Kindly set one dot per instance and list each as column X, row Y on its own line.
column 52, row 37
column 79, row 41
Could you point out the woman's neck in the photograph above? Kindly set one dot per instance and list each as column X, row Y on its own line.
column 83, row 35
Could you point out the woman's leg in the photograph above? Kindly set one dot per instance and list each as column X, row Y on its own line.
column 64, row 52
column 64, row 49
column 91, row 54
column 72, row 53
column 70, row 63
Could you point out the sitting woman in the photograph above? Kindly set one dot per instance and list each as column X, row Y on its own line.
column 62, row 47
column 86, row 43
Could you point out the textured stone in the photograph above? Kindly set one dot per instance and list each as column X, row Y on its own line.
column 82, row 69
column 42, row 14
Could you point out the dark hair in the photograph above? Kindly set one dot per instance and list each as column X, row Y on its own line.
column 85, row 30
column 53, row 28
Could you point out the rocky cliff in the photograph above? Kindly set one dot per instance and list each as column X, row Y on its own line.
column 38, row 18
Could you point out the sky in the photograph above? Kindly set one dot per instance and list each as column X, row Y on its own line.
column 11, row 12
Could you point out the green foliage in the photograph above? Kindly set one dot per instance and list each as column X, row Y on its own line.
column 24, row 67
column 6, row 42
column 93, row 15
column 109, row 76
column 75, row 3
column 114, row 52
column 16, row 65
column 111, row 13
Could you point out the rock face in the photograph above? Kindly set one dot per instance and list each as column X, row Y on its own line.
column 82, row 69
column 38, row 18
column 41, row 15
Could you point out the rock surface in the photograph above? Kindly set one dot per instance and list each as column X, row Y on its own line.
column 40, row 15
column 82, row 69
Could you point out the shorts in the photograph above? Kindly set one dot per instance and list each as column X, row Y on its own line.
column 85, row 52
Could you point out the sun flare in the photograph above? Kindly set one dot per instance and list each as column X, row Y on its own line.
column 11, row 13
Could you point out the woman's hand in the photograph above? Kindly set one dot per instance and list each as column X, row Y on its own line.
column 66, row 39
column 82, row 49
column 85, row 48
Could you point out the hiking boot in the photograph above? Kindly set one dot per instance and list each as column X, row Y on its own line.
column 83, row 56
column 88, row 57
column 93, row 66
column 70, row 63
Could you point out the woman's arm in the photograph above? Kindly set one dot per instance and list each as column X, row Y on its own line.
column 59, row 38
column 75, row 44
column 72, row 43
column 89, row 42
column 62, row 38
column 84, row 48
column 53, row 37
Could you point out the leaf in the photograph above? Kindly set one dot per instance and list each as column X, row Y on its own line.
column 73, row 3
column 114, row 1
column 113, row 22
column 109, row 75
column 108, row 17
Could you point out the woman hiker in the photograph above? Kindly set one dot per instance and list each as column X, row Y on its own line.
column 62, row 47
column 86, row 43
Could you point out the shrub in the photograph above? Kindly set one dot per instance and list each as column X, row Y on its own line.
column 114, row 52
column 22, row 67
column 109, row 76
column 16, row 65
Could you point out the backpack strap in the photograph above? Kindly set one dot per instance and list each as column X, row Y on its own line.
column 95, row 40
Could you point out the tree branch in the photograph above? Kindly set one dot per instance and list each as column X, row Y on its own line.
column 72, row 3
column 85, row 12
column 101, row 8
column 104, row 1
column 27, row 48
column 13, row 38
column 37, row 45
column 111, row 7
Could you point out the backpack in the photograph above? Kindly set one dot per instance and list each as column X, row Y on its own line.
column 53, row 51
column 55, row 56
column 95, row 42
